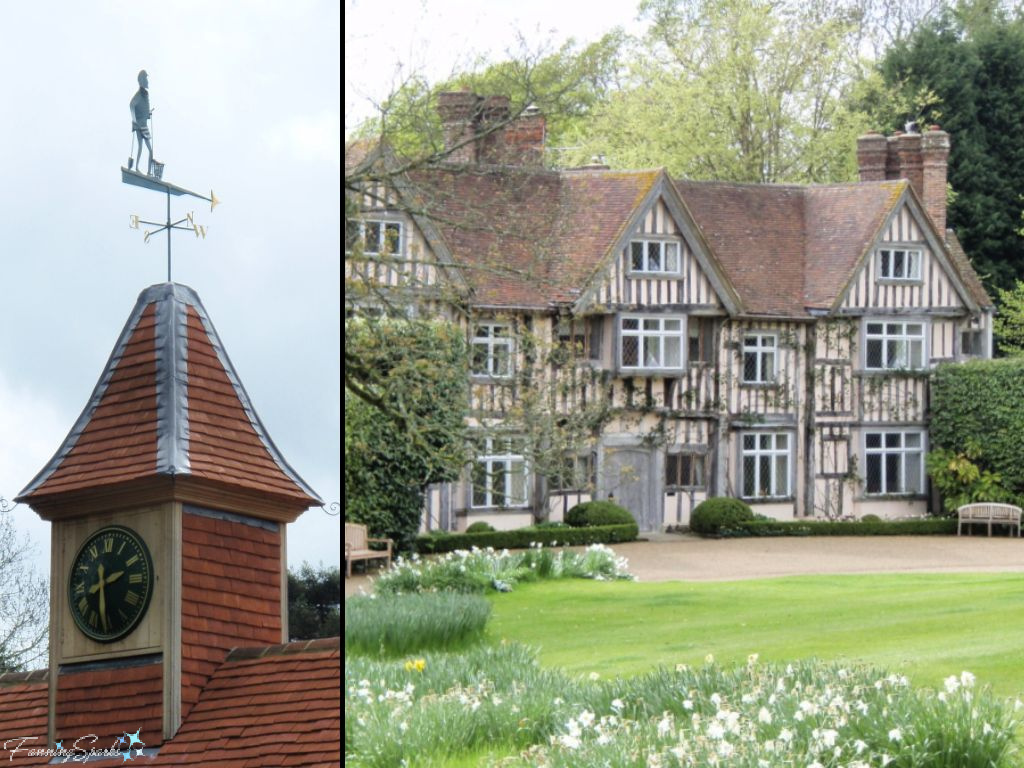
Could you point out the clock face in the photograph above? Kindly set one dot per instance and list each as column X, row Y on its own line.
column 110, row 583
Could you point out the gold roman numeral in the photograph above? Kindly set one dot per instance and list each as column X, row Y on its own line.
column 83, row 605
column 121, row 548
column 135, row 578
column 108, row 545
column 80, row 588
column 93, row 619
column 93, row 552
column 132, row 598
column 131, row 561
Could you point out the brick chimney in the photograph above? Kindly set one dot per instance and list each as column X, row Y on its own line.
column 500, row 141
column 872, row 150
column 922, row 159
column 459, row 114
column 935, row 156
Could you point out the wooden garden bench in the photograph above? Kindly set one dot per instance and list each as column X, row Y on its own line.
column 988, row 513
column 357, row 547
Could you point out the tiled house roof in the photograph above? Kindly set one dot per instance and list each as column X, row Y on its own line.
column 169, row 403
column 529, row 238
column 276, row 705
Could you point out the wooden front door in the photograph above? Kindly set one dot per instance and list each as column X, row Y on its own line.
column 629, row 476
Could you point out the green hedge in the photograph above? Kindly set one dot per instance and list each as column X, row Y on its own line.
column 521, row 539
column 719, row 513
column 980, row 404
column 925, row 527
column 594, row 513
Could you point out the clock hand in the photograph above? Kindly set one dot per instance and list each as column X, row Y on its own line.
column 114, row 576
column 103, row 600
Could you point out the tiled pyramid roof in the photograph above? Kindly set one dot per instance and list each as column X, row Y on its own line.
column 276, row 705
column 169, row 403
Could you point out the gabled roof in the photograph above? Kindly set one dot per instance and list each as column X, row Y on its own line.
column 170, row 404
column 272, row 705
column 786, row 248
column 527, row 238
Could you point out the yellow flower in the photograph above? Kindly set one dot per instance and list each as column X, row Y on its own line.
column 415, row 664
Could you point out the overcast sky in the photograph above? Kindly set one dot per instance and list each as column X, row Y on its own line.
column 247, row 103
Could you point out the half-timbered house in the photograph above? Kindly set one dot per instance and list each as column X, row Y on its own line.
column 768, row 342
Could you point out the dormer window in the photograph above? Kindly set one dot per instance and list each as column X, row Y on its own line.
column 654, row 256
column 899, row 264
column 378, row 238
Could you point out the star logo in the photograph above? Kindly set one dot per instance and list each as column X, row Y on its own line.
column 60, row 744
column 133, row 739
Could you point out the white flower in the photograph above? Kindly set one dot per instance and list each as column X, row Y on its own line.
column 951, row 683
column 617, row 705
column 715, row 730
column 942, row 696
column 679, row 751
column 725, row 748
column 687, row 704
column 569, row 741
column 586, row 718
column 815, row 764
column 828, row 737
column 785, row 735
column 715, row 699
column 895, row 734
column 987, row 729
column 654, row 760
column 752, row 659
column 764, row 716
column 594, row 676
column 709, row 659
column 665, row 725
column 966, row 679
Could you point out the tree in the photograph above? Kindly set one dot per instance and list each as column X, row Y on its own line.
column 972, row 61
column 1009, row 323
column 24, row 609
column 405, row 404
column 740, row 90
column 314, row 602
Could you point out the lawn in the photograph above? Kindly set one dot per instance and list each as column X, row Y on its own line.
column 927, row 626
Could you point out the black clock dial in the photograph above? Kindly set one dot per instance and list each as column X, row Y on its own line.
column 110, row 583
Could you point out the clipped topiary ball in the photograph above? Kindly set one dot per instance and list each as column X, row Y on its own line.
column 871, row 519
column 591, row 513
column 479, row 527
column 712, row 515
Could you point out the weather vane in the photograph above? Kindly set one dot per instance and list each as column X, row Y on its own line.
column 142, row 116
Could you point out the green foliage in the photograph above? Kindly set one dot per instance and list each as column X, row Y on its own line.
column 525, row 537
column 871, row 519
column 591, row 513
column 736, row 90
column 960, row 481
column 479, row 570
column 395, row 625
column 314, row 602
column 713, row 516
column 924, row 527
column 479, row 527
column 972, row 65
column 565, row 85
column 977, row 418
column 405, row 400
column 1009, row 323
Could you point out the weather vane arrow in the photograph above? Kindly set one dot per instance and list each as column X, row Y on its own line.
column 142, row 116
